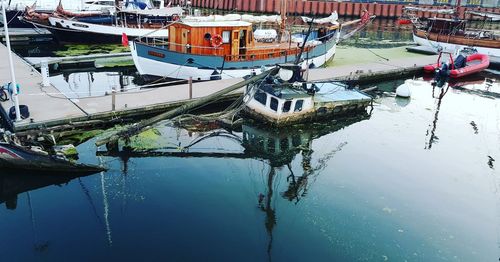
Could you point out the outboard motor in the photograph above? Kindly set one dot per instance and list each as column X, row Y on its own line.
column 460, row 61
column 442, row 75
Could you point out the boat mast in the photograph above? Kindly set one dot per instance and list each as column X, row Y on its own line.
column 458, row 8
column 283, row 18
column 11, row 64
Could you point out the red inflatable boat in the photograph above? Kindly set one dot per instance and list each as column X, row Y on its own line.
column 473, row 63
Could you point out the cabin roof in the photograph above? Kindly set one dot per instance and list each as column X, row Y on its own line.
column 329, row 92
column 217, row 24
column 167, row 11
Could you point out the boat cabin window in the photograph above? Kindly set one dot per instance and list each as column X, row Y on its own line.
column 298, row 105
column 207, row 36
column 296, row 141
column 261, row 97
column 271, row 145
column 284, row 144
column 225, row 36
column 286, row 106
column 274, row 104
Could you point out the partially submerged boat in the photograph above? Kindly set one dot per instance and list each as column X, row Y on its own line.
column 285, row 99
column 459, row 67
column 17, row 157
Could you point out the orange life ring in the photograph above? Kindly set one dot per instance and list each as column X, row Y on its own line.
column 216, row 40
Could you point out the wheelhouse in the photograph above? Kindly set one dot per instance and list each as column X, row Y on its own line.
column 234, row 40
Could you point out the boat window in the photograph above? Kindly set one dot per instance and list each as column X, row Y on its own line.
column 225, row 36
column 286, row 106
column 296, row 141
column 260, row 143
column 298, row 105
column 207, row 36
column 284, row 144
column 261, row 97
column 274, row 104
column 271, row 148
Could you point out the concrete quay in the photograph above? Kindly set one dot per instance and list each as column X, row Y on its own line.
column 50, row 108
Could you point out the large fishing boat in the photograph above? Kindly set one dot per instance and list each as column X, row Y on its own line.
column 452, row 34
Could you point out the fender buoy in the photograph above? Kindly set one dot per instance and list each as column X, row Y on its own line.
column 216, row 40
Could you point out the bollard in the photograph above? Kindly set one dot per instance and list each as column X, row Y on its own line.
column 113, row 99
column 190, row 83
column 45, row 73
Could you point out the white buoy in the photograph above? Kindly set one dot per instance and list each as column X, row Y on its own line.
column 404, row 90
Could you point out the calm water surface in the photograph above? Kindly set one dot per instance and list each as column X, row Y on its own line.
column 414, row 180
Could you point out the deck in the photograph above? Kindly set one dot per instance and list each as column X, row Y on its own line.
column 51, row 108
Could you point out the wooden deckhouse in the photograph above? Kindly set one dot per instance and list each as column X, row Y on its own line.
column 232, row 39
column 208, row 50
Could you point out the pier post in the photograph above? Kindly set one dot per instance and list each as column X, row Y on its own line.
column 113, row 99
column 44, row 68
column 15, row 96
column 190, row 83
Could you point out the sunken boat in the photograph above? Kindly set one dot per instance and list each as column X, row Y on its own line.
column 285, row 98
column 14, row 156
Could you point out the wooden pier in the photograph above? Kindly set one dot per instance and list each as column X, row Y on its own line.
column 50, row 108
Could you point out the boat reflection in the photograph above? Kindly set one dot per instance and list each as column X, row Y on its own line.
column 90, row 82
column 276, row 147
column 14, row 182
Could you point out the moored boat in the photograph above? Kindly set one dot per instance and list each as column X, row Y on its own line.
column 286, row 99
column 452, row 34
column 20, row 158
column 101, row 28
column 460, row 67
column 13, row 156
column 209, row 50
column 17, row 157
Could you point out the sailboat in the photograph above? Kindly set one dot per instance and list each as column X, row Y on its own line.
column 452, row 34
column 106, row 28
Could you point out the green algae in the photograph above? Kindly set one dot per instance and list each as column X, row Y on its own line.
column 114, row 62
column 348, row 55
column 79, row 138
column 147, row 140
column 81, row 49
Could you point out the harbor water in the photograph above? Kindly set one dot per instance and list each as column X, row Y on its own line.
column 412, row 180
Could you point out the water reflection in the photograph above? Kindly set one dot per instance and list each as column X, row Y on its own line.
column 89, row 82
column 431, row 131
column 14, row 183
column 277, row 148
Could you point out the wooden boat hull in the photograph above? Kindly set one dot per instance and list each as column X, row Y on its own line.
column 310, row 116
column 67, row 30
column 19, row 158
column 157, row 61
column 453, row 43
column 476, row 63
